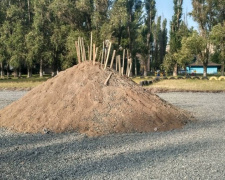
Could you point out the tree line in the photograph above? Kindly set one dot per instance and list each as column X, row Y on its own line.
column 40, row 33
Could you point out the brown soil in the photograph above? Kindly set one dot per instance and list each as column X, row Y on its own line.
column 78, row 100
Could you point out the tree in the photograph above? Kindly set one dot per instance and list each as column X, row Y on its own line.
column 163, row 41
column 151, row 12
column 193, row 46
column 175, row 38
column 160, row 42
column 217, row 36
column 205, row 14
column 38, row 38
column 13, row 32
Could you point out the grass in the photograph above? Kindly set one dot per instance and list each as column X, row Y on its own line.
column 23, row 82
column 184, row 84
column 178, row 84
column 190, row 85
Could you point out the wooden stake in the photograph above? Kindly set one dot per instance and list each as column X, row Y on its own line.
column 96, row 53
column 84, row 50
column 81, row 49
column 122, row 69
column 130, row 68
column 103, row 50
column 107, row 58
column 128, row 57
column 113, row 56
column 106, row 81
column 78, row 51
column 93, row 54
column 123, row 57
column 127, row 67
column 116, row 63
column 88, row 51
column 119, row 64
column 90, row 55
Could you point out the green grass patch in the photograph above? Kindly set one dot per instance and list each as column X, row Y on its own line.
column 190, row 85
column 23, row 82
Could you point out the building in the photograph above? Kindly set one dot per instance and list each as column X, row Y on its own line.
column 197, row 68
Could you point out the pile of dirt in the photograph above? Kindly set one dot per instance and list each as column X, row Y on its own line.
column 78, row 100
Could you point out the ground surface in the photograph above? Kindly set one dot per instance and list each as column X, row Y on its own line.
column 195, row 152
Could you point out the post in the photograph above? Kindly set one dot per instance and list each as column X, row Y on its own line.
column 107, row 58
column 119, row 63
column 123, row 61
column 106, row 81
column 78, row 51
column 128, row 57
column 84, row 53
column 90, row 55
column 116, row 63
column 80, row 48
column 93, row 54
column 88, row 52
column 102, row 60
column 96, row 53
column 130, row 68
column 113, row 56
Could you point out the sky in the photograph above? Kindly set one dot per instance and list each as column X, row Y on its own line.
column 165, row 10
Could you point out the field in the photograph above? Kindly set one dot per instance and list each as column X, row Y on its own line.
column 186, row 85
column 23, row 82
column 167, row 84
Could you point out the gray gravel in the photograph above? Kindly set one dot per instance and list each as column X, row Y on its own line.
column 194, row 152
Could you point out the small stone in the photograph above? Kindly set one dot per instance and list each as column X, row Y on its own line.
column 46, row 131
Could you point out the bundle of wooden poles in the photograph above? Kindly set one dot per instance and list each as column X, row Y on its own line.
column 104, row 56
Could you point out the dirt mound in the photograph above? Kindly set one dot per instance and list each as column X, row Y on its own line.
column 78, row 100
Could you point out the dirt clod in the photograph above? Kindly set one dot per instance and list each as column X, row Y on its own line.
column 78, row 100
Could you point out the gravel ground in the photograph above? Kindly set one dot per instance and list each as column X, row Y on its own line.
column 195, row 152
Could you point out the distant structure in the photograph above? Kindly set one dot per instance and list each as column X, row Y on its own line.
column 197, row 68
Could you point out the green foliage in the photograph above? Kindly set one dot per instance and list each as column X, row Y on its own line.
column 40, row 32
column 217, row 37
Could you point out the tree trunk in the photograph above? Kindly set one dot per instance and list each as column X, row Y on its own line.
column 19, row 73
column 205, row 69
column 135, row 67
column 29, row 72
column 7, row 71
column 149, row 63
column 145, row 69
column 28, row 7
column 222, row 69
column 2, row 70
column 175, row 70
column 41, row 68
column 53, row 73
column 222, row 54
column 15, row 73
column 185, row 70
